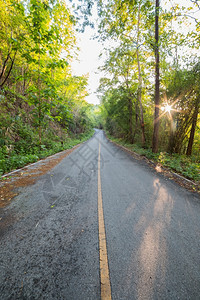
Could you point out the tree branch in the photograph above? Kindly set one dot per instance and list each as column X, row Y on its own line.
column 11, row 66
column 196, row 2
column 189, row 16
column 4, row 66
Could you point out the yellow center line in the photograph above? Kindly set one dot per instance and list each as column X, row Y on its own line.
column 104, row 271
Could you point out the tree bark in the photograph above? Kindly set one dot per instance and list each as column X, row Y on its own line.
column 140, row 79
column 130, row 106
column 130, row 109
column 9, row 71
column 155, row 142
column 171, row 135
column 193, row 128
column 39, row 103
column 4, row 66
column 136, row 120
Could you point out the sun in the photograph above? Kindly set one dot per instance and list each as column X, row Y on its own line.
column 168, row 108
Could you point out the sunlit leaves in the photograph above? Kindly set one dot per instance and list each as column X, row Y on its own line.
column 42, row 33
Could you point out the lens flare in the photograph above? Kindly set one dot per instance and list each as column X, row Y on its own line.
column 168, row 108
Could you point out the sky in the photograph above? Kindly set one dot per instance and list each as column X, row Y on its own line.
column 89, row 62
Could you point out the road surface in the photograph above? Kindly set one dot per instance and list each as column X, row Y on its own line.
column 101, row 225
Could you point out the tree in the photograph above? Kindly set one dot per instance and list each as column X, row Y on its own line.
column 157, row 81
column 194, row 124
column 183, row 90
column 12, row 38
column 120, row 24
column 37, row 86
column 140, row 76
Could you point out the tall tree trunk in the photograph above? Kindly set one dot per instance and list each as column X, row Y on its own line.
column 39, row 104
column 136, row 120
column 3, row 69
column 140, row 78
column 192, row 132
column 171, row 135
column 130, row 108
column 157, row 82
column 24, row 81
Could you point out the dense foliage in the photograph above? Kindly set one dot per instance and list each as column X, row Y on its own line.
column 42, row 104
column 137, row 74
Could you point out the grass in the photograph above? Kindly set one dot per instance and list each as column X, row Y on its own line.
column 189, row 167
column 19, row 160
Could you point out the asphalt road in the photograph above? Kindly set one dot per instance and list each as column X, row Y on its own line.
column 49, row 244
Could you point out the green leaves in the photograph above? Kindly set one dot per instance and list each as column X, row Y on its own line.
column 40, row 99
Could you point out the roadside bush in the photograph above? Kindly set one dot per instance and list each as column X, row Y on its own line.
column 11, row 161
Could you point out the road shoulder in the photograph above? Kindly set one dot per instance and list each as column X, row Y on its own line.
column 158, row 168
column 28, row 175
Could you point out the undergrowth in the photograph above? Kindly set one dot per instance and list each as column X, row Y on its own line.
column 23, row 155
column 189, row 167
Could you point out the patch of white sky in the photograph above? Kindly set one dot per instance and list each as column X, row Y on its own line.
column 88, row 62
column 88, row 59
